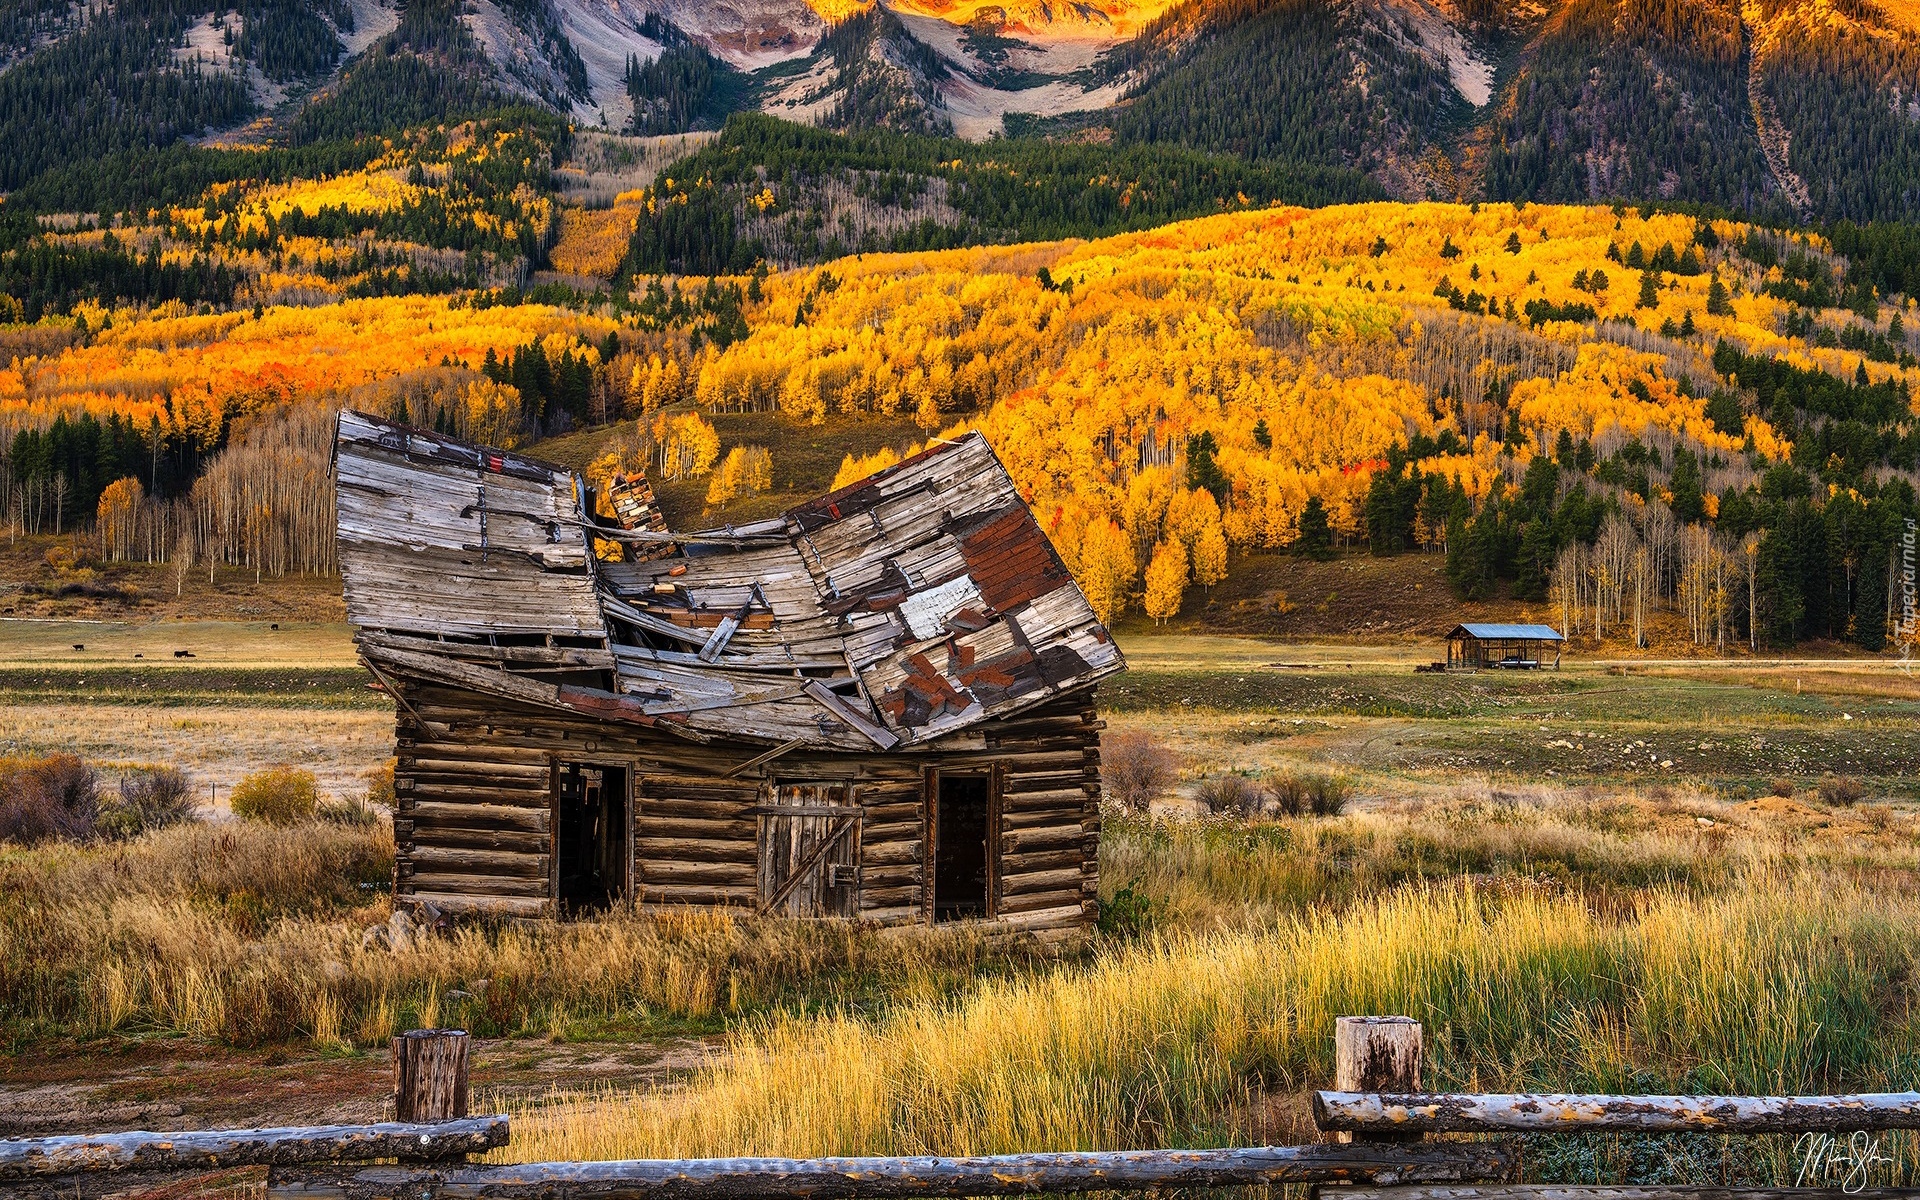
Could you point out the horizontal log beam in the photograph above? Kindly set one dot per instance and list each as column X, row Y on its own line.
column 1575, row 1191
column 1425, row 1112
column 29, row 1158
column 903, row 1178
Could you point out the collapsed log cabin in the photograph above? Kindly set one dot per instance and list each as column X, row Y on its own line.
column 879, row 705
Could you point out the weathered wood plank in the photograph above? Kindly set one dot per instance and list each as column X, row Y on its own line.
column 479, row 885
column 514, row 841
column 1062, row 898
column 660, row 873
column 462, row 903
column 454, row 813
column 1042, row 881
column 670, row 849
column 28, row 1158
column 463, row 860
column 671, row 894
column 1579, row 1191
column 1426, row 1112
column 905, row 1178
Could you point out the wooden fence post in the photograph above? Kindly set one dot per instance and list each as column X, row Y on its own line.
column 1377, row 1054
column 430, row 1075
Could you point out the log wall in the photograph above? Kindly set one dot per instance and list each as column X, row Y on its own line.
column 474, row 820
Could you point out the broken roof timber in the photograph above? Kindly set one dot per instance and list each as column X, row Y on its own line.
column 885, row 615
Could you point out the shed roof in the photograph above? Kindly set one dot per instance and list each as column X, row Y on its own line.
column 902, row 608
column 1496, row 632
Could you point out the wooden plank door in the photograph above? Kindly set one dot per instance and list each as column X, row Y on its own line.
column 809, row 851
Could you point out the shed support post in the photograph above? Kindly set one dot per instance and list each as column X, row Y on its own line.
column 430, row 1075
column 1377, row 1054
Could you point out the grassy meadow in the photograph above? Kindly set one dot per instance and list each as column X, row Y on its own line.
column 1642, row 878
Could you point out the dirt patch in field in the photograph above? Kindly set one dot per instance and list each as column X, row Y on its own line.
column 167, row 1085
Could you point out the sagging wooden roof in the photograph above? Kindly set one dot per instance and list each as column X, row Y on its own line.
column 893, row 612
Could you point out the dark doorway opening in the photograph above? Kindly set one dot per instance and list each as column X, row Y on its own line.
column 960, row 847
column 593, row 837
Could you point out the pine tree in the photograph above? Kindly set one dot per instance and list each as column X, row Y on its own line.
column 1689, row 503
column 1717, row 303
column 1649, row 290
column 1316, row 535
column 1870, row 600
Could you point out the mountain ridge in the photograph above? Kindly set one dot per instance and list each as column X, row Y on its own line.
column 1791, row 109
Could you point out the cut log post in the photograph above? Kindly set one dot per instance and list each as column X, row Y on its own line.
column 34, row 1158
column 1379, row 1111
column 904, row 1178
column 430, row 1075
column 1377, row 1054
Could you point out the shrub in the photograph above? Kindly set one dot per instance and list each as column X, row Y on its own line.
column 380, row 784
column 1136, row 769
column 150, row 798
column 1235, row 794
column 54, row 796
column 356, row 813
column 1126, row 914
column 1783, row 787
column 1841, row 791
column 1297, row 793
column 277, row 795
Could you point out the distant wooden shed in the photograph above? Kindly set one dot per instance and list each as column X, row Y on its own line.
column 1477, row 647
column 879, row 705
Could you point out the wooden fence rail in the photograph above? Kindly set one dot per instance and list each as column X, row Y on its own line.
column 1386, row 1112
column 30, row 1158
column 1586, row 1191
column 907, row 1178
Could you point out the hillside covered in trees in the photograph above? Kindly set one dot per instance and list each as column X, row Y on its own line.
column 1595, row 410
column 1785, row 110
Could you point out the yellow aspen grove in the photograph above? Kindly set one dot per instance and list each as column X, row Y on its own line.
column 1210, row 556
column 756, row 469
column 725, row 484
column 855, row 467
column 117, row 518
column 686, row 445
column 1197, row 383
column 1107, row 568
column 1166, row 581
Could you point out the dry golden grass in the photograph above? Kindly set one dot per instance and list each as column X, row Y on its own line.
column 246, row 933
column 1785, row 984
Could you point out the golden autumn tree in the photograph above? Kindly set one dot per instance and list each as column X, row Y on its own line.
column 686, row 445
column 855, row 467
column 1210, row 556
column 756, row 469
column 745, row 471
column 1107, row 568
column 117, row 518
column 1166, row 580
column 724, row 485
